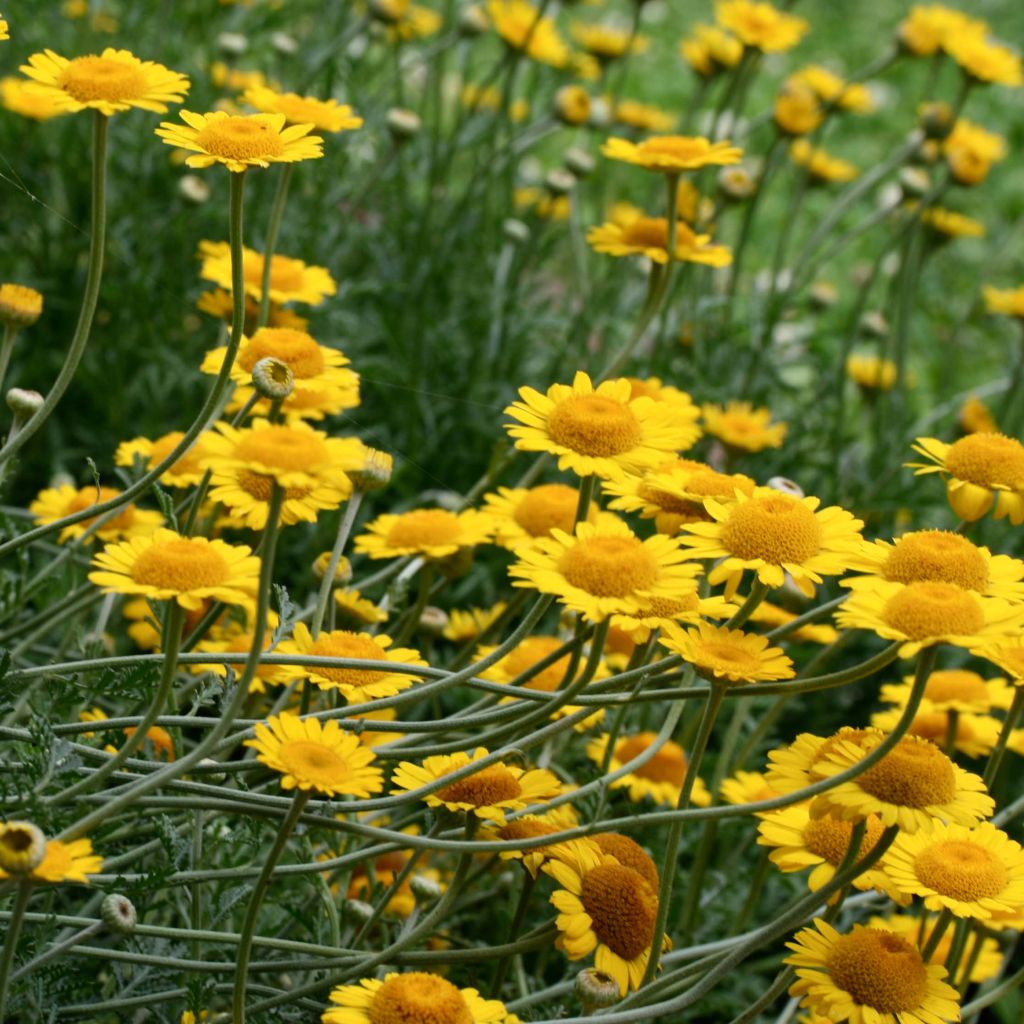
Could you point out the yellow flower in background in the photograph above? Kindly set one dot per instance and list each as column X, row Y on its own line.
column 771, row 615
column 521, row 514
column 72, row 861
column 954, row 689
column 672, row 154
column 291, row 280
column 236, row 638
column 760, row 25
column 643, row 117
column 830, row 88
column 742, row 426
column 976, row 735
column 464, row 626
column 648, row 236
column 607, row 42
column 353, row 605
column 4, row 30
column 217, row 302
column 20, row 97
column 430, row 532
column 408, row 997
column 523, row 27
column 727, row 655
column 930, row 28
column 541, row 203
column 324, row 115
column 223, row 76
column 950, row 224
column 663, row 612
column 532, row 826
column 314, row 755
column 871, row 372
column 240, row 141
column 986, row 61
column 975, row 417
column 20, row 306
column 57, row 502
column 416, row 22
column 110, row 82
column 660, row 778
column 188, row 470
column 971, row 151
column 820, row 165
column 747, row 788
column 1004, row 302
column 797, row 109
column 710, row 50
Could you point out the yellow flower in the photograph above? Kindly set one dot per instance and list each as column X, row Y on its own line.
column 185, row 472
column 760, row 25
column 975, row 417
column 240, row 141
column 654, row 387
column 314, row 755
column 820, row 165
column 477, row 97
column 830, row 88
column 291, row 280
column 972, row 872
column 72, row 861
column 1004, row 302
column 464, row 626
column 986, row 61
column 869, row 976
column 740, row 425
column 648, row 236
column 729, row 655
column 217, row 302
column 234, row 638
column 357, row 685
column 532, row 826
column 949, row 224
column 487, row 793
column 797, row 109
column 415, row 22
column 747, row 788
column 144, row 628
column 976, row 735
column 604, row 569
column 542, row 204
column 601, row 430
column 522, row 514
column 409, row 997
column 607, row 42
column 773, row 616
column 672, row 154
column 523, row 27
column 660, row 778
column 323, row 115
column 167, row 566
column 113, row 81
column 4, row 29
column 57, row 502
column 774, row 534
column 20, row 97
column 710, row 50
column 643, row 117
column 871, row 372
column 356, row 607
column 971, row 150
column 930, row 28
column 430, row 532
column 20, row 306
column 572, row 104
column 954, row 689
column 983, row 470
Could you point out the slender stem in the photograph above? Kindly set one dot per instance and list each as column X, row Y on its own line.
column 327, row 583
column 952, row 728
column 995, row 759
column 518, row 917
column 6, row 347
column 273, row 229
column 259, row 890
column 588, row 485
column 74, row 939
column 938, row 930
column 11, row 941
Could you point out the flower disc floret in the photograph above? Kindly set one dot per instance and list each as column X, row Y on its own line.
column 522, row 514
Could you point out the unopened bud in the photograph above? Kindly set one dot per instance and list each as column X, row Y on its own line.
column 118, row 913
column 375, row 472
column 914, row 181
column 787, row 486
column 284, row 43
column 424, row 888
column 359, row 909
column 342, row 571
column 736, row 183
column 600, row 113
column 193, row 188
column 560, row 182
column 20, row 306
column 936, row 120
column 403, row 124
column 214, row 778
column 595, row 989
column 23, row 403
column 823, row 294
column 22, row 847
column 874, row 325
column 579, row 162
column 473, row 21
column 515, row 230
column 273, row 378
column 433, row 621
column 232, row 42
column 572, row 104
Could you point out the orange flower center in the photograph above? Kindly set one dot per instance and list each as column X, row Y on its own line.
column 163, row 446
column 934, row 726
column 420, row 998
column 546, row 508
column 915, row 773
column 296, row 348
column 88, row 79
column 240, row 138
column 956, row 684
column 675, row 147
column 594, row 425
column 961, row 870
column 669, row 607
column 829, row 838
column 667, row 765
column 647, row 233
column 312, row 762
column 987, row 460
column 425, row 528
column 260, row 486
column 282, row 448
column 490, row 786
column 528, row 653
column 286, row 275
column 879, row 969
column 524, row 828
column 778, row 529
column 936, row 556
column 922, row 611
column 343, row 644
column 622, row 907
column 180, row 565
column 629, row 854
column 609, row 566
column 87, row 497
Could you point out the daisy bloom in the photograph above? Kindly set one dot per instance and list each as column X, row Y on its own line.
column 523, row 27
column 291, row 280
column 760, row 25
column 772, row 616
column 648, row 236
column 727, row 655
column 986, row 61
column 310, row 754
column 797, row 109
column 144, row 628
column 166, row 566
column 976, row 735
column 799, row 841
column 464, row 626
column 430, row 532
column 357, row 685
column 186, row 472
column 521, row 514
column 797, row 766
column 938, row 556
column 820, row 165
column 602, row 430
column 710, row 50
column 869, row 976
column 487, row 793
column 954, row 689
column 72, row 861
column 112, row 81
column 531, row 826
column 971, row 150
column 660, row 778
column 234, row 638
column 604, row 569
column 662, row 612
column 870, row 372
column 217, row 302
column 1004, row 302
column 922, row 614
column 773, row 534
column 415, row 22
column 20, row 97
column 352, row 605
column 643, row 117
column 323, row 115
column 969, row 871
column 57, row 502
column 913, row 786
column 831, row 88
column 4, row 29
column 20, row 306
column 607, row 42
column 415, row 996
column 240, row 141
column 672, row 154
column 1008, row 654
column 741, row 426
column 604, row 908
column 930, row 28
column 747, row 788
column 948, row 224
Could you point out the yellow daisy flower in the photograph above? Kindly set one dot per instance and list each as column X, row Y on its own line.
column 820, row 165
column 741, row 426
column 643, row 117
column 976, row 735
column 831, row 88
column 310, row 754
column 710, row 50
column 747, row 788
column 354, row 606
column 948, row 224
column 1008, row 654
column 323, row 115
column 72, row 861
column 1004, row 302
column 661, row 612
column 604, row 569
column 430, row 532
column 771, row 615
column 217, row 302
column 969, row 871
column 167, row 566
column 600, row 430
column 522, row 514
column 930, row 28
column 971, row 150
column 982, row 470
column 729, row 655
column 607, row 42
column 760, row 25
column 922, row 614
column 186, row 472
column 357, row 685
column 870, row 372
column 796, row 766
column 235, row 638
column 487, row 793
column 954, row 689
column 986, row 61
column 416, row 22
column 773, row 534
column 240, row 141
column 464, row 626
column 408, row 997
column 19, row 97
column 604, row 908
column 532, row 826
column 109, row 82
column 648, row 236
column 797, row 109
column 868, row 976
column 672, row 154
column 20, row 306
column 4, row 29
column 975, row 417
column 57, row 502
column 143, row 627
column 913, row 786
column 660, row 778
column 291, row 280
column 523, row 27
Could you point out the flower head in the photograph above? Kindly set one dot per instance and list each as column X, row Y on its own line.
column 672, row 154
column 930, row 28
column 523, row 27
column 710, row 50
column 415, row 996
column 55, row 503
column 820, row 165
column 971, row 150
column 659, row 778
column 743, row 427
column 71, row 861
column 729, row 655
column 830, row 88
column 648, row 236
column 430, row 532
column 871, row 372
column 188, row 470
column 986, row 61
column 323, row 115
column 1004, row 301
column 522, row 514
column 760, row 25
column 291, row 280
column 20, row 97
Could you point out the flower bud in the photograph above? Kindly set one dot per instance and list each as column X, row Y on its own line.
column 786, row 486
column 20, row 306
column 424, row 888
column 214, row 778
column 579, row 162
column 515, row 230
column 403, row 124
column 375, row 473
column 23, row 403
column 232, row 42
column 388, row 11
column 874, row 325
column 572, row 105
column 284, row 43
column 559, row 182
column 342, row 571
column 736, row 183
column 914, row 182
column 193, row 188
column 473, row 21
column 360, row 910
column 936, row 120
column 600, row 113
column 118, row 913
column 273, row 378
column 433, row 621
column 22, row 847
column 595, row 989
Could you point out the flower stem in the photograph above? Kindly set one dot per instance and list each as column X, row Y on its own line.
column 327, row 583
column 6, row 347
column 518, row 917
column 273, row 229
column 995, row 759
column 11, row 941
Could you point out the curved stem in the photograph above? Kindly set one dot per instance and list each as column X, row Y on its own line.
column 11, row 941
column 6, row 347
column 327, row 583
column 273, row 229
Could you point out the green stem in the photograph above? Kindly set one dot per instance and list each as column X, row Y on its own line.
column 588, row 485
column 327, row 583
column 11, row 941
column 273, row 229
column 259, row 890
column 519, row 916
column 952, row 727
column 995, row 759
column 6, row 347
column 938, row 930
